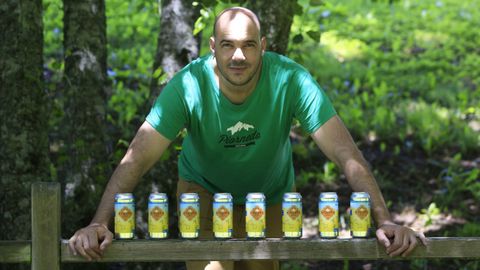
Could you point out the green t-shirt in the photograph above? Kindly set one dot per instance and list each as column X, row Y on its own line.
column 240, row 148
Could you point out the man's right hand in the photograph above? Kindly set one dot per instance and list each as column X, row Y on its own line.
column 91, row 241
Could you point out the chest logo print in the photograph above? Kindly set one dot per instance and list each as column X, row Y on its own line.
column 239, row 135
column 239, row 126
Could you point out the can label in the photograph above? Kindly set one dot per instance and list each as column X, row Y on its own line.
column 328, row 215
column 292, row 215
column 255, row 217
column 360, row 217
column 189, row 222
column 223, row 216
column 158, row 216
column 124, row 216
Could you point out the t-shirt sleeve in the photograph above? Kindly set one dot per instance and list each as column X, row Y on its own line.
column 313, row 107
column 168, row 115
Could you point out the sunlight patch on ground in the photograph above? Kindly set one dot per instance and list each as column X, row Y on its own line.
column 428, row 39
column 343, row 49
column 409, row 217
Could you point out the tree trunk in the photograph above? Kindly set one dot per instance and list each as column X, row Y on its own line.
column 23, row 114
column 275, row 21
column 176, row 45
column 86, row 168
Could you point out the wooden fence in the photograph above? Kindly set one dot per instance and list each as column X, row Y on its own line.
column 46, row 251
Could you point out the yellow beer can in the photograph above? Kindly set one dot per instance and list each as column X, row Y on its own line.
column 360, row 216
column 158, row 216
column 292, row 215
column 255, row 212
column 328, row 215
column 124, row 215
column 222, row 215
column 189, row 221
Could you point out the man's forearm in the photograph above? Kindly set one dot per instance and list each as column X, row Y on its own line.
column 337, row 144
column 145, row 149
column 124, row 179
column 361, row 179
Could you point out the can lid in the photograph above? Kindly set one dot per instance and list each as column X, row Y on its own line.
column 158, row 197
column 328, row 195
column 292, row 195
column 189, row 196
column 255, row 196
column 360, row 195
column 222, row 196
column 123, row 195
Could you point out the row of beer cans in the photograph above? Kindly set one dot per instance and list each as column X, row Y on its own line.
column 255, row 215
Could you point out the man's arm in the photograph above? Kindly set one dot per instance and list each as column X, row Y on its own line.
column 337, row 144
column 146, row 148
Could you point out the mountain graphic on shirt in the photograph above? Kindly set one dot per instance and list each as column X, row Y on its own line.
column 239, row 126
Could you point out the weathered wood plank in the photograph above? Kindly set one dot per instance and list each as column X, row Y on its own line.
column 305, row 249
column 45, row 226
column 15, row 251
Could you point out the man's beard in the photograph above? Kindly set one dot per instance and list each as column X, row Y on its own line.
column 240, row 64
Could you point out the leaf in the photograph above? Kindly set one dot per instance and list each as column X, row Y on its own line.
column 316, row 3
column 315, row 35
column 297, row 9
column 297, row 39
column 157, row 73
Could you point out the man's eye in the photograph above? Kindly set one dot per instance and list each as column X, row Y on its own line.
column 226, row 45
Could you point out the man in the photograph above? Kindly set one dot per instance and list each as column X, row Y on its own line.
column 237, row 105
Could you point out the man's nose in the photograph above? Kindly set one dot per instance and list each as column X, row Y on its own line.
column 238, row 54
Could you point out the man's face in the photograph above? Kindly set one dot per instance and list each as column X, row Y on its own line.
column 237, row 48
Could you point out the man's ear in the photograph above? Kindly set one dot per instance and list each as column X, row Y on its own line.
column 212, row 44
column 263, row 43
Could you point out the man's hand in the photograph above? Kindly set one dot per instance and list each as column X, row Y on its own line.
column 91, row 241
column 399, row 240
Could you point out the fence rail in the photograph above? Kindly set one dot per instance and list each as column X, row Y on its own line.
column 48, row 251
column 15, row 251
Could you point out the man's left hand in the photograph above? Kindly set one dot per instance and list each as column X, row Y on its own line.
column 399, row 240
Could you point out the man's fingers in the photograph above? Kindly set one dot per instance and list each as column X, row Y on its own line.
column 422, row 238
column 80, row 249
column 90, row 244
column 107, row 240
column 94, row 245
column 411, row 247
column 396, row 243
column 71, row 245
column 400, row 244
column 382, row 238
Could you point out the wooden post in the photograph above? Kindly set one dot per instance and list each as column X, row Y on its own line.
column 45, row 226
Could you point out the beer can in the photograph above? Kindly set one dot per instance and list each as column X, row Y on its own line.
column 292, row 215
column 255, row 212
column 222, row 215
column 328, row 215
column 189, row 221
column 124, row 215
column 158, row 216
column 360, row 217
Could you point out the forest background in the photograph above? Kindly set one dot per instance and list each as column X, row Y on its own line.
column 78, row 77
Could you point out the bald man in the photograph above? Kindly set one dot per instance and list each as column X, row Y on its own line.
column 237, row 105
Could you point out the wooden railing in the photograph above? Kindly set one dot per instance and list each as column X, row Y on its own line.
column 47, row 251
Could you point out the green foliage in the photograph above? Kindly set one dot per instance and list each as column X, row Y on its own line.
column 430, row 213
column 132, row 32
column 459, row 188
column 405, row 67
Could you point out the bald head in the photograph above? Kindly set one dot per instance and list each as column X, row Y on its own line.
column 230, row 14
